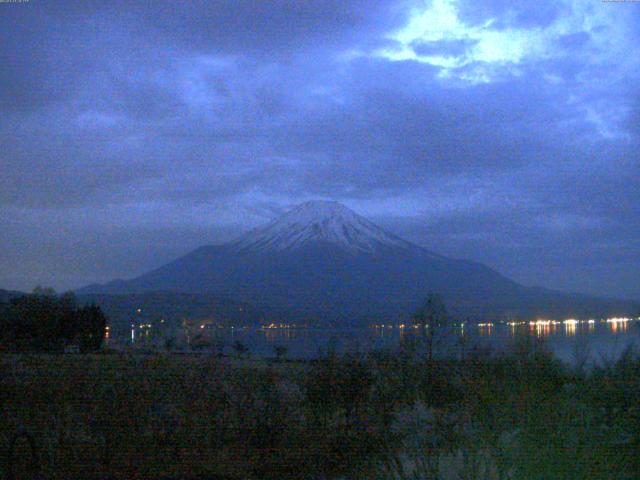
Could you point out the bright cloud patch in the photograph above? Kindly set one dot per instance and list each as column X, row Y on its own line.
column 437, row 35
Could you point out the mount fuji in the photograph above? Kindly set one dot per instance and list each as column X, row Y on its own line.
column 321, row 222
column 324, row 264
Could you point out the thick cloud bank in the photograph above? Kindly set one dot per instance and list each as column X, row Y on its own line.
column 506, row 132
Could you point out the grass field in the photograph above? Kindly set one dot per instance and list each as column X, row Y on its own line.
column 380, row 415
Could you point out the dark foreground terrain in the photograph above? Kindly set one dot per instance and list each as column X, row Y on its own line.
column 381, row 415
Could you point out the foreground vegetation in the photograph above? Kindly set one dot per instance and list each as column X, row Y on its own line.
column 45, row 322
column 387, row 414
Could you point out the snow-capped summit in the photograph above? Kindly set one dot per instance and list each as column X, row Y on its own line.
column 321, row 221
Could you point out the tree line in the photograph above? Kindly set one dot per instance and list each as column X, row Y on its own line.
column 45, row 322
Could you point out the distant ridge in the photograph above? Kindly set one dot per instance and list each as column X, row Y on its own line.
column 6, row 295
column 321, row 262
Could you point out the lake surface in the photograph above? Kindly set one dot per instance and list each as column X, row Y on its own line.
column 570, row 340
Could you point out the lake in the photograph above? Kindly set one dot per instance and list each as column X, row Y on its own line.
column 569, row 340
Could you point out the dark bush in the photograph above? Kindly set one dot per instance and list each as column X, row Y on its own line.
column 45, row 322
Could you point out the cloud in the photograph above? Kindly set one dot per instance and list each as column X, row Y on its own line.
column 514, row 13
column 501, row 37
column 446, row 48
column 498, row 131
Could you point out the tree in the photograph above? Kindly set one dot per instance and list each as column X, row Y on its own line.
column 432, row 316
column 43, row 321
column 170, row 343
column 281, row 352
column 68, row 310
column 41, row 291
column 34, row 322
column 240, row 348
column 218, row 345
column 91, row 328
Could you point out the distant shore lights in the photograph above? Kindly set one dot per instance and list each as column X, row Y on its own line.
column 618, row 324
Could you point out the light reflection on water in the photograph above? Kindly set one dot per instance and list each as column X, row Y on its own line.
column 571, row 327
column 603, row 339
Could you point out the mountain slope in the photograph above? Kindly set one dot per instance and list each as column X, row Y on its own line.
column 125, row 309
column 324, row 263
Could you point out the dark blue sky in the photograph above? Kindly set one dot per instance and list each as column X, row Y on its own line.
column 503, row 131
